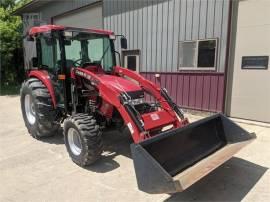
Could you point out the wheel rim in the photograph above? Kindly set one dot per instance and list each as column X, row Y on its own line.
column 29, row 109
column 74, row 141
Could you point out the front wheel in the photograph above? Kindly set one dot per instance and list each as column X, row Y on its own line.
column 83, row 139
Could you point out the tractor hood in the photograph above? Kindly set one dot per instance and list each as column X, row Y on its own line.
column 119, row 83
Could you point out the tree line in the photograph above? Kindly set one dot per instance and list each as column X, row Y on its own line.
column 11, row 50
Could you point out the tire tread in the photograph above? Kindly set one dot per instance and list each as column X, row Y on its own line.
column 45, row 113
column 91, row 137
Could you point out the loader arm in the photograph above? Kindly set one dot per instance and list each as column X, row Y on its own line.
column 153, row 89
column 145, row 84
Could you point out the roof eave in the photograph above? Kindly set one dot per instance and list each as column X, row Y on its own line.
column 32, row 6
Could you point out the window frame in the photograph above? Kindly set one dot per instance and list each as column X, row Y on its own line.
column 132, row 52
column 38, row 38
column 99, row 36
column 255, row 67
column 196, row 68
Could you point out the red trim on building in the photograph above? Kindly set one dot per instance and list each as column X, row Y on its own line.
column 196, row 90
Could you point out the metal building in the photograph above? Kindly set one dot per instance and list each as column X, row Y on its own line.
column 186, row 46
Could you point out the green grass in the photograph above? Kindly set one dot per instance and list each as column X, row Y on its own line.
column 10, row 90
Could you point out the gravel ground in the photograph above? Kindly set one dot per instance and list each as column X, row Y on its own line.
column 32, row 170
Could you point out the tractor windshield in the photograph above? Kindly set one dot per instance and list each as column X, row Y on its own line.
column 85, row 48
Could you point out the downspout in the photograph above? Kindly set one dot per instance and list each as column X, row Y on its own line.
column 228, row 46
column 231, row 56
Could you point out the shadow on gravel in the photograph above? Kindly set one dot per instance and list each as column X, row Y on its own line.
column 115, row 143
column 56, row 139
column 230, row 182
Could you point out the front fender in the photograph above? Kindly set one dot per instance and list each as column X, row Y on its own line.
column 44, row 77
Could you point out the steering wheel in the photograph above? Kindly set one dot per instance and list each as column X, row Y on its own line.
column 77, row 62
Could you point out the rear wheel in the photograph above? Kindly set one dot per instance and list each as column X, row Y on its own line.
column 37, row 110
column 83, row 139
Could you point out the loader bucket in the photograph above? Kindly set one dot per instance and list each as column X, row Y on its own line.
column 174, row 160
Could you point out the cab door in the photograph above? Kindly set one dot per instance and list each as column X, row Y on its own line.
column 49, row 59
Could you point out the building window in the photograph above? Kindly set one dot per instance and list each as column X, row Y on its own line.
column 131, row 62
column 31, row 19
column 198, row 55
column 131, row 59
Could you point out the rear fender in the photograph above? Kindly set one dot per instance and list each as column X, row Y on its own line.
column 44, row 77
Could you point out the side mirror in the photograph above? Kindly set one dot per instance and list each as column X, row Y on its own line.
column 34, row 61
column 123, row 41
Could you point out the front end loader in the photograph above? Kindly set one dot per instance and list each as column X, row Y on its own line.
column 72, row 78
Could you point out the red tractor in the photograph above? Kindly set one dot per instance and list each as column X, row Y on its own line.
column 73, row 79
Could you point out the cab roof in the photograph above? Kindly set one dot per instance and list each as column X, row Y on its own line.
column 48, row 28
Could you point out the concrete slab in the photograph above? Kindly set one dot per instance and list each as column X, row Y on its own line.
column 32, row 170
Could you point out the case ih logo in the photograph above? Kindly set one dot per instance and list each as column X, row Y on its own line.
column 94, row 82
column 83, row 74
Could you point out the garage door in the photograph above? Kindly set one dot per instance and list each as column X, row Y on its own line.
column 251, row 76
column 87, row 17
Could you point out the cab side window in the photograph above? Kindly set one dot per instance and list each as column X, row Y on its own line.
column 49, row 52
column 73, row 51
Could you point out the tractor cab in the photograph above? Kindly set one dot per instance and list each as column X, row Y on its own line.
column 58, row 49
